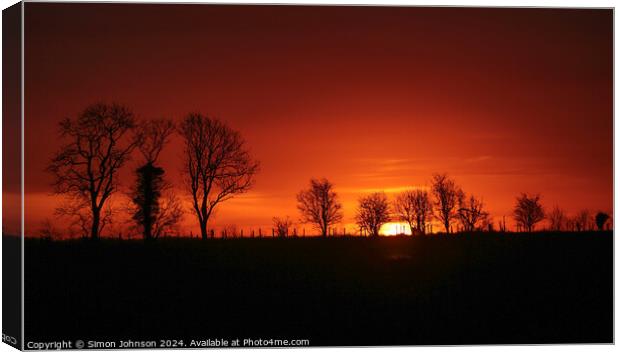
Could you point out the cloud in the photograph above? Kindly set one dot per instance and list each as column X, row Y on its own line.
column 396, row 189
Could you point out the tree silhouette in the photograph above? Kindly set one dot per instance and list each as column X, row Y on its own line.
column 415, row 208
column 502, row 224
column 153, row 215
column 156, row 208
column 471, row 212
column 217, row 165
column 528, row 211
column 147, row 192
column 319, row 205
column 601, row 219
column 557, row 219
column 153, row 135
column 582, row 220
column 372, row 212
column 282, row 226
column 446, row 194
column 48, row 231
column 85, row 169
column 170, row 212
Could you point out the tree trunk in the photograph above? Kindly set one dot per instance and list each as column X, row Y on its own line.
column 147, row 228
column 375, row 231
column 149, row 199
column 94, row 231
column 203, row 230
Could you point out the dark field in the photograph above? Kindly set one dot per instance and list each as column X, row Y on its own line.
column 462, row 289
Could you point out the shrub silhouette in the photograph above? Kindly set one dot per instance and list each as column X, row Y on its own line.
column 601, row 219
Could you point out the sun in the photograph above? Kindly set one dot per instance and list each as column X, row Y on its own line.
column 395, row 228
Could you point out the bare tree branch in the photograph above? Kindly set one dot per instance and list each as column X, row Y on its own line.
column 153, row 136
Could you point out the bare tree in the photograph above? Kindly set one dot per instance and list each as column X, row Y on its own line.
column 415, row 208
column 557, row 219
column 471, row 213
column 582, row 220
column 217, row 167
column 85, row 169
column 446, row 194
column 372, row 212
column 48, row 231
column 319, row 205
column 151, row 214
column 601, row 219
column 528, row 211
column 282, row 226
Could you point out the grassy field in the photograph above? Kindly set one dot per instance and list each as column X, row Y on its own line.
column 462, row 289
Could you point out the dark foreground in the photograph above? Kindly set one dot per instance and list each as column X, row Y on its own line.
column 474, row 289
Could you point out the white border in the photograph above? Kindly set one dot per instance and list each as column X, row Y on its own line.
column 476, row 3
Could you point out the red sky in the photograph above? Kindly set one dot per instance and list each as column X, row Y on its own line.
column 504, row 100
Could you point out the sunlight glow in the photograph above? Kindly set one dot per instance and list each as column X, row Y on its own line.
column 395, row 228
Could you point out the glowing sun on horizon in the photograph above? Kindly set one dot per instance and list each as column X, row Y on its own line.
column 395, row 228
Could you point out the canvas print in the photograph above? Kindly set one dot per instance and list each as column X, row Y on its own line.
column 200, row 175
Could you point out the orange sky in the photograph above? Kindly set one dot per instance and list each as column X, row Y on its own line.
column 504, row 100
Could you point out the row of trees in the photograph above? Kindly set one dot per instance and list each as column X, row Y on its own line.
column 217, row 165
column 445, row 203
column 101, row 140
column 584, row 220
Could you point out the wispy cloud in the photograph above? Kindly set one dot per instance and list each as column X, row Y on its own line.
column 388, row 190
